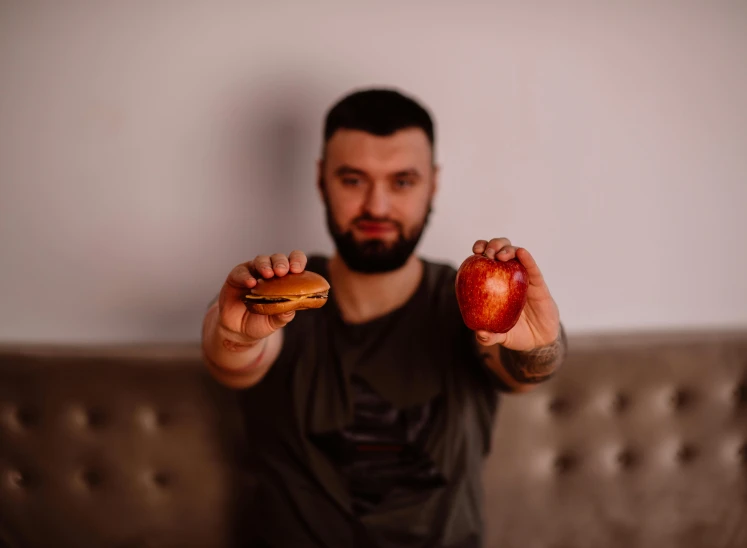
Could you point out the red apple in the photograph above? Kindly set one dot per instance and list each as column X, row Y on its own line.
column 491, row 293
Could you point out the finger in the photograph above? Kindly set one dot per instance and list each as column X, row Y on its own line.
column 240, row 277
column 486, row 338
column 279, row 264
column 263, row 266
column 526, row 259
column 506, row 253
column 479, row 247
column 281, row 320
column 297, row 261
column 494, row 246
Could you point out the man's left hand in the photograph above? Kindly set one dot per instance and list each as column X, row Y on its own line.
column 539, row 323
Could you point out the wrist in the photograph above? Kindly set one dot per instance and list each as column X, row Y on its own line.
column 538, row 364
column 234, row 341
column 219, row 342
column 234, row 353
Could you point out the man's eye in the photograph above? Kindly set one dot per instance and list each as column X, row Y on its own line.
column 403, row 183
column 351, row 181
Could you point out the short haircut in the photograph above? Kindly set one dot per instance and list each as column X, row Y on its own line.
column 378, row 111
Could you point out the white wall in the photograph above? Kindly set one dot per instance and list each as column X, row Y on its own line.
column 147, row 147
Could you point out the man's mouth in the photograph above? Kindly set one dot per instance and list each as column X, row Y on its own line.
column 376, row 228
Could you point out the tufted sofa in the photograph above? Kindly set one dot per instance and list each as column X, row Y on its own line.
column 641, row 441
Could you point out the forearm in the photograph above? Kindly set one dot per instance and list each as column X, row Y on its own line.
column 529, row 368
column 233, row 359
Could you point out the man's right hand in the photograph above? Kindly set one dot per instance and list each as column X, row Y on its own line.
column 239, row 347
column 232, row 312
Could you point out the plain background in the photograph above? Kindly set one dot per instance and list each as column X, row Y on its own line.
column 148, row 147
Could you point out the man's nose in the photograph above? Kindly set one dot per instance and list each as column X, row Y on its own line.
column 377, row 201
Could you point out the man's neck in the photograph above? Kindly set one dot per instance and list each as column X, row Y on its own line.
column 364, row 297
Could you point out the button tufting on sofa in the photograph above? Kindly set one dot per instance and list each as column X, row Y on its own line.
column 88, row 418
column 566, row 462
column 151, row 419
column 628, row 459
column 559, row 406
column 92, row 478
column 682, row 399
column 162, row 479
column 740, row 395
column 686, row 453
column 97, row 418
column 19, row 417
column 163, row 419
column 620, row 402
column 18, row 479
column 742, row 453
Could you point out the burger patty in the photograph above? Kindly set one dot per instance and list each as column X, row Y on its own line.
column 271, row 300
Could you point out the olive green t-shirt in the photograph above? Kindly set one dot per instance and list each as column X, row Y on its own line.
column 373, row 434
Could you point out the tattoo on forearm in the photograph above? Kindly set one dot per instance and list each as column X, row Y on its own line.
column 536, row 365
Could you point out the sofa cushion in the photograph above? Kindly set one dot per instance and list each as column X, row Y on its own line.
column 117, row 447
column 639, row 441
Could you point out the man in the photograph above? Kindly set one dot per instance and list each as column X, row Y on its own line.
column 369, row 418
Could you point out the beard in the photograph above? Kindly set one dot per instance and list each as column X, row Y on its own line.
column 374, row 256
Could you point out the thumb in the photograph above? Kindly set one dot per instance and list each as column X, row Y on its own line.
column 486, row 338
column 277, row 321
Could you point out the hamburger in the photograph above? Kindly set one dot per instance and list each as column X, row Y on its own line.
column 290, row 292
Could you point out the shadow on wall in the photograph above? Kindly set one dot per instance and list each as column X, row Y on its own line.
column 267, row 145
column 274, row 157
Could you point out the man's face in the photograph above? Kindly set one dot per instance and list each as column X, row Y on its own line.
column 377, row 192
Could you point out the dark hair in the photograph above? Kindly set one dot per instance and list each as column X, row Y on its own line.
column 380, row 112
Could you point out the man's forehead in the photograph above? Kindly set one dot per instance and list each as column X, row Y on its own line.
column 409, row 145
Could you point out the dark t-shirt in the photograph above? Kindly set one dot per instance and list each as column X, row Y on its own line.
column 374, row 434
